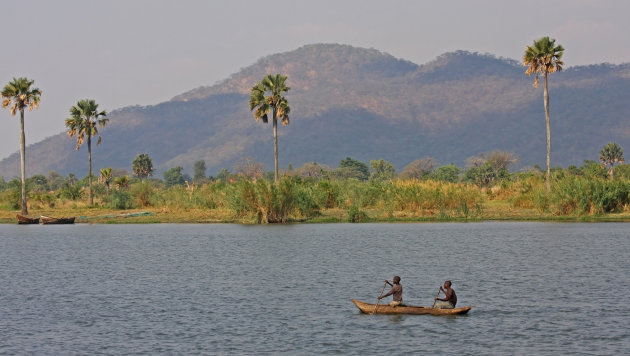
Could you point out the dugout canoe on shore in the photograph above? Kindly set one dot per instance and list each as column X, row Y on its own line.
column 368, row 308
column 47, row 220
column 25, row 220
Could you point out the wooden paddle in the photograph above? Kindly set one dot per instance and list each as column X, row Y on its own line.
column 378, row 300
column 435, row 300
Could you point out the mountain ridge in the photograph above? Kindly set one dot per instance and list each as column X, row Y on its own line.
column 367, row 104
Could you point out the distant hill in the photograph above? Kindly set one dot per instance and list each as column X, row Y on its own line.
column 366, row 104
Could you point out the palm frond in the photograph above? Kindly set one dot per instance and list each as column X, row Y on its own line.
column 83, row 120
column 273, row 85
column 21, row 94
column 543, row 57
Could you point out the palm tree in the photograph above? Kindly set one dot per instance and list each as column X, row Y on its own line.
column 142, row 166
column 543, row 57
column 122, row 182
column 19, row 95
column 106, row 177
column 83, row 121
column 609, row 155
column 275, row 103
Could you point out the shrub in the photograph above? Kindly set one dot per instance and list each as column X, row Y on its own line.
column 44, row 199
column 71, row 191
column 327, row 194
column 142, row 193
column 355, row 215
column 12, row 196
column 121, row 200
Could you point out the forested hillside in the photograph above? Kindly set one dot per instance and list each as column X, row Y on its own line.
column 366, row 104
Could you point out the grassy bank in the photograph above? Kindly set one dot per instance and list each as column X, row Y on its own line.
column 499, row 211
column 317, row 201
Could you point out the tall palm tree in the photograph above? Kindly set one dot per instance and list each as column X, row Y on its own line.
column 83, row 122
column 543, row 57
column 275, row 103
column 18, row 94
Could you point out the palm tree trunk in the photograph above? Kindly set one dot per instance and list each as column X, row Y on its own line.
column 275, row 146
column 547, row 119
column 89, row 144
column 23, row 162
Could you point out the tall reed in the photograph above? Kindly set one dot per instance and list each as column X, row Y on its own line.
column 593, row 196
column 447, row 199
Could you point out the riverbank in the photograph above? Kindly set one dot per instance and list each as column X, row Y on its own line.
column 493, row 210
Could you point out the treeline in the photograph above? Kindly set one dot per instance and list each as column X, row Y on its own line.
column 361, row 191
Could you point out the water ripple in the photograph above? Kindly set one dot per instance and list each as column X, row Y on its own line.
column 538, row 288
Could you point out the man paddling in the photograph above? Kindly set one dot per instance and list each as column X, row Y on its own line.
column 450, row 299
column 395, row 292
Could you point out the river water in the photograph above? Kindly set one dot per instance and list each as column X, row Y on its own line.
column 537, row 288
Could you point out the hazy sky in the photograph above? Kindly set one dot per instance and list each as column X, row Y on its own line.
column 130, row 52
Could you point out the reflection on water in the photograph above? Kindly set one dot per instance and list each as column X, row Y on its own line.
column 538, row 288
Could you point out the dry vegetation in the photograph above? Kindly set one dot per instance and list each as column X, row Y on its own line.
column 520, row 197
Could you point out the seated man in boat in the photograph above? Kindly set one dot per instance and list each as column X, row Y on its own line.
column 450, row 298
column 395, row 292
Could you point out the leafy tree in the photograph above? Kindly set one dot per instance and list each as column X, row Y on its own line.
column 70, row 190
column 224, row 175
column 142, row 166
column 71, row 179
column 187, row 178
column 419, row 168
column 3, row 183
column 19, row 95
column 574, row 170
column 83, row 121
column 382, row 170
column 481, row 175
column 13, row 198
column 275, row 103
column 174, row 176
column 593, row 169
column 200, row 171
column 37, row 182
column 351, row 168
column 611, row 154
column 313, row 170
column 449, row 173
column 543, row 57
column 55, row 180
column 106, row 177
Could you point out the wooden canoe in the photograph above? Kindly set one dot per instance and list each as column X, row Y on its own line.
column 47, row 220
column 24, row 220
column 368, row 308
